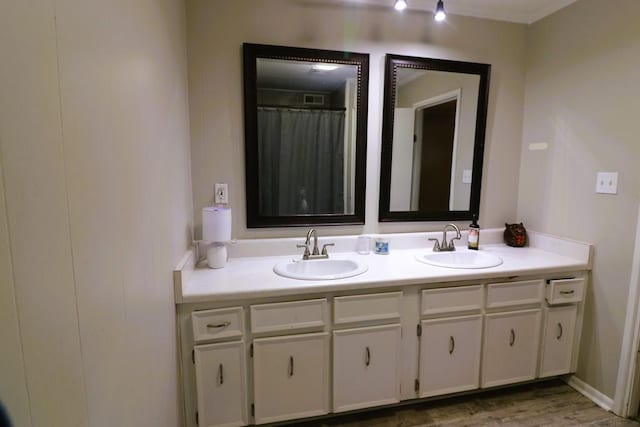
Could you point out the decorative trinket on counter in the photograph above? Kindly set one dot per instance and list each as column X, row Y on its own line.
column 515, row 235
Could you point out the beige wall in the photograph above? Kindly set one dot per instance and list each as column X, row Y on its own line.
column 95, row 211
column 583, row 98
column 217, row 29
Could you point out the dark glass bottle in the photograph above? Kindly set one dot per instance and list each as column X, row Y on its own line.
column 474, row 234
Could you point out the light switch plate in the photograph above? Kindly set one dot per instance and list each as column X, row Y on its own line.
column 466, row 176
column 607, row 183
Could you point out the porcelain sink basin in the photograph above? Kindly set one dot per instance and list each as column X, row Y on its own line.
column 461, row 259
column 320, row 269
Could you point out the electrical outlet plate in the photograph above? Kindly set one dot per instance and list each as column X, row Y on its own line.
column 607, row 183
column 221, row 193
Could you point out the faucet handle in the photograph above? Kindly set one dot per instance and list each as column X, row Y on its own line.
column 451, row 245
column 436, row 245
column 324, row 248
column 306, row 250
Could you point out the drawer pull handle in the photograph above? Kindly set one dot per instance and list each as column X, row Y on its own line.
column 567, row 292
column 367, row 359
column 452, row 345
column 221, row 375
column 290, row 366
column 559, row 331
column 512, row 339
column 218, row 325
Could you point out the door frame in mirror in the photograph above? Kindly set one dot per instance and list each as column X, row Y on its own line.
column 251, row 53
column 392, row 63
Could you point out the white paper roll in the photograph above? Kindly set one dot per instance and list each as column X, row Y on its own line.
column 216, row 224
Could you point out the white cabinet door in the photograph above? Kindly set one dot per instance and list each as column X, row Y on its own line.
column 291, row 377
column 366, row 368
column 221, row 384
column 557, row 345
column 510, row 351
column 450, row 355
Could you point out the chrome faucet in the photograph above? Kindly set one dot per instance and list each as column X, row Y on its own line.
column 314, row 253
column 314, row 233
column 444, row 246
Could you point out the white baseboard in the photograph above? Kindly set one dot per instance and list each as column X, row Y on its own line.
column 600, row 399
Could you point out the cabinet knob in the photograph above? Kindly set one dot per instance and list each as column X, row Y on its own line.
column 367, row 359
column 220, row 374
column 512, row 339
column 290, row 366
column 452, row 345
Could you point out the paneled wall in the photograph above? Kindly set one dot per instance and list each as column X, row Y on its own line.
column 95, row 210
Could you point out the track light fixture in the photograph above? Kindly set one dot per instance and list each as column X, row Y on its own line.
column 440, row 14
column 400, row 5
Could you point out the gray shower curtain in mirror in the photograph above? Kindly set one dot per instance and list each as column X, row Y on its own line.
column 301, row 161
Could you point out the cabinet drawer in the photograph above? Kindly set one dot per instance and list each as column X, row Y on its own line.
column 287, row 316
column 213, row 325
column 514, row 293
column 564, row 291
column 451, row 300
column 360, row 308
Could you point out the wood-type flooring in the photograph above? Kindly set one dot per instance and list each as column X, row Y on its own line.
column 550, row 403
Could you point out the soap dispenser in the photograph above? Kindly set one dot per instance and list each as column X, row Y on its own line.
column 474, row 234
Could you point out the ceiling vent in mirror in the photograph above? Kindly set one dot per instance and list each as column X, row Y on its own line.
column 310, row 99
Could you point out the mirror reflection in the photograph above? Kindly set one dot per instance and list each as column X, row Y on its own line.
column 433, row 138
column 434, row 126
column 305, row 135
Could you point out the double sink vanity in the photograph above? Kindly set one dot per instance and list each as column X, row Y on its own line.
column 273, row 337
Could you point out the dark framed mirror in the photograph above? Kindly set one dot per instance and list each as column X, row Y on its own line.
column 305, row 135
column 433, row 132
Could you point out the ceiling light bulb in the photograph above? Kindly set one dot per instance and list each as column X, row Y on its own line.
column 440, row 15
column 400, row 5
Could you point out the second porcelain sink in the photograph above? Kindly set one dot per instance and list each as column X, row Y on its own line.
column 320, row 269
column 460, row 259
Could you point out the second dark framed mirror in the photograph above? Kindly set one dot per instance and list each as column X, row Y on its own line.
column 433, row 133
column 305, row 135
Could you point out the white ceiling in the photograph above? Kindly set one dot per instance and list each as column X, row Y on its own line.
column 520, row 11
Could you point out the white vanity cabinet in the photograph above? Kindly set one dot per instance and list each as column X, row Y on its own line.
column 291, row 377
column 221, row 384
column 560, row 339
column 366, row 359
column 291, row 372
column 220, row 367
column 450, row 346
column 281, row 358
column 511, row 332
column 511, row 341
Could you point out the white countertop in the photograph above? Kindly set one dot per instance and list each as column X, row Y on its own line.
column 253, row 276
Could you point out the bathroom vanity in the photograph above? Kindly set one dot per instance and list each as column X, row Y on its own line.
column 259, row 348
